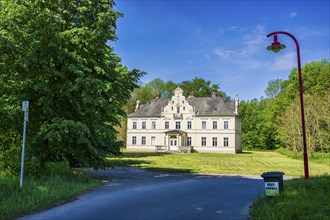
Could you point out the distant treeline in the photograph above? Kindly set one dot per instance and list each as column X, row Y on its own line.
column 275, row 121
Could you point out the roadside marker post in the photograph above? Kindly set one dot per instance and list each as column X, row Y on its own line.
column 25, row 109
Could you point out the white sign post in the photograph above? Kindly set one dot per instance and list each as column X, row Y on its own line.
column 25, row 109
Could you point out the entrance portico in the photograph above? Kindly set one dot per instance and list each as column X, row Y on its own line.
column 175, row 139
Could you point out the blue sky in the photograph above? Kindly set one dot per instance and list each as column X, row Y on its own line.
column 221, row 41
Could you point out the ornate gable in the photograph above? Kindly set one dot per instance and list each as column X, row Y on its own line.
column 178, row 106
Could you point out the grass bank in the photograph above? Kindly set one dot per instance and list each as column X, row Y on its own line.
column 301, row 199
column 40, row 192
column 317, row 157
column 247, row 163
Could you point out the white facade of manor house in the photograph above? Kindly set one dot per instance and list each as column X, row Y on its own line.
column 208, row 124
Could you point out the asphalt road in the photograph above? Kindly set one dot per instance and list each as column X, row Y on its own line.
column 132, row 193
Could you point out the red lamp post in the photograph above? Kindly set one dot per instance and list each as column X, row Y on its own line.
column 276, row 47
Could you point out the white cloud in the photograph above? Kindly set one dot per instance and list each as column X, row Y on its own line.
column 293, row 14
column 197, row 29
column 284, row 62
column 232, row 28
column 224, row 53
column 253, row 42
column 306, row 32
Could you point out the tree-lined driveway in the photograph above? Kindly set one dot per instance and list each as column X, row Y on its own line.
column 133, row 193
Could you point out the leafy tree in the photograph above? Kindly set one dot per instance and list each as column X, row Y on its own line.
column 55, row 54
column 156, row 86
column 317, row 124
column 273, row 88
column 170, row 86
column 315, row 76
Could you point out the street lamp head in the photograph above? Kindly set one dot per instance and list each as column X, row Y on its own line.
column 276, row 46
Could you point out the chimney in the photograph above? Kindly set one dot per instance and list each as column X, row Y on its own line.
column 191, row 94
column 236, row 104
column 137, row 105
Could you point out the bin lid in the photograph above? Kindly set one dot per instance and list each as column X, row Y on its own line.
column 273, row 174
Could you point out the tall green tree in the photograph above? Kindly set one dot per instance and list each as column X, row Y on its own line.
column 273, row 88
column 55, row 54
column 156, row 86
column 317, row 124
column 201, row 88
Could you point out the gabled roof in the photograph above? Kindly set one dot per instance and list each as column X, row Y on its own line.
column 203, row 106
column 152, row 109
column 211, row 106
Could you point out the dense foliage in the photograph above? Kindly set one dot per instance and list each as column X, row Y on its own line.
column 55, row 54
column 276, row 121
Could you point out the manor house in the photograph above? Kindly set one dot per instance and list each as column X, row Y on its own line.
column 204, row 124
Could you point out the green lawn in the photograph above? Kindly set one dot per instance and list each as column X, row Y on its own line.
column 247, row 163
column 301, row 199
column 41, row 192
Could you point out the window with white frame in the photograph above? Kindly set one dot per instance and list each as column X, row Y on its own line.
column 215, row 125
column 167, row 125
column 225, row 142
column 134, row 125
column 203, row 141
column 225, row 125
column 144, row 125
column 188, row 124
column 178, row 109
column 188, row 141
column 177, row 125
column 153, row 125
column 143, row 140
column 134, row 140
column 214, row 141
column 203, row 124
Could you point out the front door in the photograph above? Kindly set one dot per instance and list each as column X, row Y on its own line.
column 174, row 144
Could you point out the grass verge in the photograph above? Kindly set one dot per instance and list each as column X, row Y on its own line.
column 317, row 157
column 247, row 163
column 39, row 193
column 301, row 199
